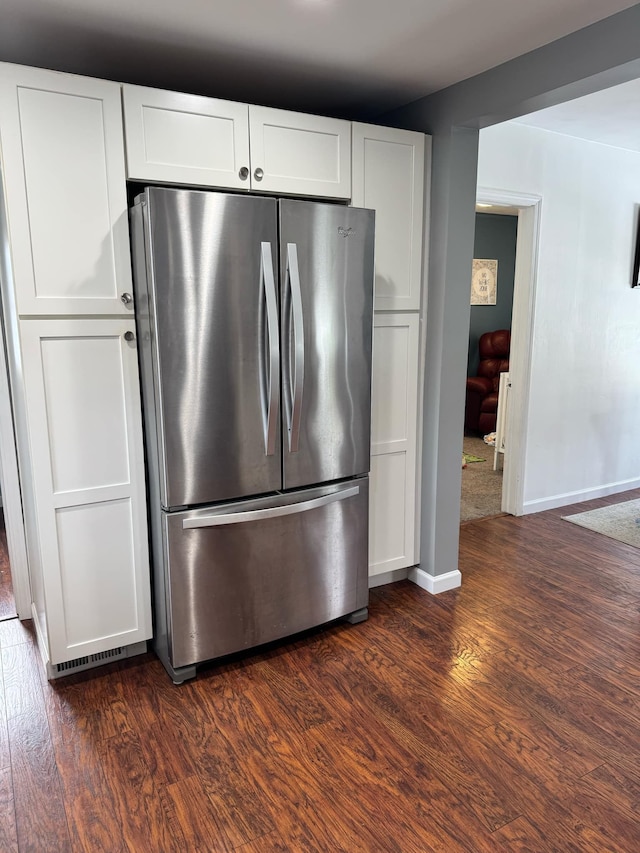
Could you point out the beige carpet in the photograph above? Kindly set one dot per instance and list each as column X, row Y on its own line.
column 481, row 486
column 619, row 521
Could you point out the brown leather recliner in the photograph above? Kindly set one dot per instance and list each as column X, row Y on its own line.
column 482, row 390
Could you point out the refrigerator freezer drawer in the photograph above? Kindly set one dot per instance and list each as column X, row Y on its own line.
column 244, row 574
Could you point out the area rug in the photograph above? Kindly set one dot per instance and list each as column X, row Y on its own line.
column 481, row 493
column 619, row 521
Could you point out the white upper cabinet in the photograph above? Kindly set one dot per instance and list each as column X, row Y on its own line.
column 388, row 176
column 299, row 154
column 63, row 174
column 173, row 138
column 186, row 139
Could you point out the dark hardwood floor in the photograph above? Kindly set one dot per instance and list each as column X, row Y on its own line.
column 503, row 716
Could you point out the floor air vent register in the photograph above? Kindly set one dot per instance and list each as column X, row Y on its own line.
column 56, row 670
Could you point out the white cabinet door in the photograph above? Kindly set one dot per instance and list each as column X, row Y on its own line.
column 298, row 154
column 63, row 174
column 392, row 504
column 186, row 139
column 85, row 434
column 388, row 176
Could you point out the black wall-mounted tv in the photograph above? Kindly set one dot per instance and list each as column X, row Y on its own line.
column 635, row 281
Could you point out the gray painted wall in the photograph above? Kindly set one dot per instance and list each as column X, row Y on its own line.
column 596, row 57
column 453, row 194
column 602, row 55
column 495, row 238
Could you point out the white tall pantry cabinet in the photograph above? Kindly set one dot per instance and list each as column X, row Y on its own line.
column 74, row 366
column 388, row 168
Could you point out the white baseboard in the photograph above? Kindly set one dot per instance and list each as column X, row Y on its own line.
column 435, row 584
column 388, row 577
column 577, row 497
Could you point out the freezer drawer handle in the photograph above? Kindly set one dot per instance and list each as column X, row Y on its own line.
column 273, row 512
column 272, row 381
column 294, row 409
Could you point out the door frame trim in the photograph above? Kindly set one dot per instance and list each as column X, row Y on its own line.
column 522, row 331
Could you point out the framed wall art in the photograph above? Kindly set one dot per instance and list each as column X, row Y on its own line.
column 484, row 282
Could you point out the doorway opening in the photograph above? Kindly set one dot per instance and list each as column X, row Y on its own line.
column 492, row 284
column 497, row 484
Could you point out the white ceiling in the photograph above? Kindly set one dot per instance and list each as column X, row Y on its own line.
column 349, row 57
column 611, row 117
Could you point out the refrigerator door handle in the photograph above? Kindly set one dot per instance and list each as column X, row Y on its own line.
column 272, row 512
column 297, row 386
column 272, row 381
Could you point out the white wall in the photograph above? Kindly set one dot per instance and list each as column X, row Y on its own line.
column 584, row 406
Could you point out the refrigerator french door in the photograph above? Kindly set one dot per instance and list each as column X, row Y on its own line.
column 255, row 320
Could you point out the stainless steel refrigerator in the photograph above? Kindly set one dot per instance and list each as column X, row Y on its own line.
column 254, row 320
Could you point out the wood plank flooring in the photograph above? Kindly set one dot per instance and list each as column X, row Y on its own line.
column 503, row 716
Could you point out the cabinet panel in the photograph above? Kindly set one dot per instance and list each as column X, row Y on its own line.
column 299, row 154
column 77, row 431
column 388, row 176
column 63, row 164
column 392, row 392
column 392, row 505
column 85, row 434
column 100, row 602
column 388, row 514
column 186, row 139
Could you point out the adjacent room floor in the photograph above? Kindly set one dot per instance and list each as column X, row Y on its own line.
column 502, row 716
column 481, row 493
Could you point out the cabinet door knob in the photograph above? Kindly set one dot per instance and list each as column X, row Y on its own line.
column 243, row 174
column 129, row 336
column 258, row 174
column 127, row 298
